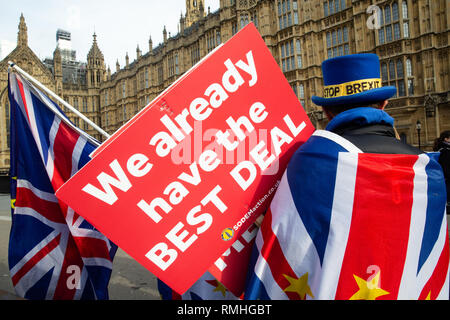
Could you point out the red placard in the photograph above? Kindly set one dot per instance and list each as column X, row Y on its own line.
column 174, row 202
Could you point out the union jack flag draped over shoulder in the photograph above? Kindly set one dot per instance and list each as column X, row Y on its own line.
column 349, row 225
column 53, row 252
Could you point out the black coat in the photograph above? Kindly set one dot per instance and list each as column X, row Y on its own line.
column 444, row 160
column 375, row 138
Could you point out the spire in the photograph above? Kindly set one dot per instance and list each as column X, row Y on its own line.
column 150, row 44
column 22, row 36
column 165, row 34
column 182, row 23
column 127, row 61
column 138, row 52
column 94, row 52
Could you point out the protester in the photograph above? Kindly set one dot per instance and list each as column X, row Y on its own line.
column 442, row 145
column 358, row 213
column 359, row 117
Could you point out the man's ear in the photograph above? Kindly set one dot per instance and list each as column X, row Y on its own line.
column 328, row 113
column 383, row 104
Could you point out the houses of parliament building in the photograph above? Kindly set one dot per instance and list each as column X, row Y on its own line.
column 411, row 37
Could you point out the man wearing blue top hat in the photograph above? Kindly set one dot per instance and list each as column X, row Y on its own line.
column 358, row 214
column 354, row 101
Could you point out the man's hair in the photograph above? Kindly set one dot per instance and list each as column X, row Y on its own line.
column 336, row 109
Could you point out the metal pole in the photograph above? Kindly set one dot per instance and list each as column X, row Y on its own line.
column 418, row 135
column 57, row 98
column 418, row 127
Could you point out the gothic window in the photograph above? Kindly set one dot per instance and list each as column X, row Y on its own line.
column 404, row 10
column 287, row 13
column 338, row 42
column 400, row 79
column 106, row 98
column 287, row 56
column 409, row 77
column 146, row 78
column 218, row 37
column 406, row 29
column 75, row 102
column 173, row 64
column 195, row 53
column 384, row 73
column 84, row 106
column 392, row 74
column 405, row 19
column 244, row 20
column 391, row 22
column 301, row 94
column 234, row 28
column 294, row 88
column 333, row 6
column 255, row 18
column 299, row 53
column 160, row 74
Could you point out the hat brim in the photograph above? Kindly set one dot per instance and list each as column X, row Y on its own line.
column 369, row 96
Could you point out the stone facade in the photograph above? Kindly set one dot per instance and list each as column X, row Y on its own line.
column 411, row 38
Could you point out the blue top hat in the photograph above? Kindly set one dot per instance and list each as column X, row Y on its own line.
column 352, row 80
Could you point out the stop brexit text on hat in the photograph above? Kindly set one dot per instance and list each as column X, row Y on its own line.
column 177, row 218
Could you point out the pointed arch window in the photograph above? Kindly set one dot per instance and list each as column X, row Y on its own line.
column 287, row 13
column 391, row 22
column 393, row 74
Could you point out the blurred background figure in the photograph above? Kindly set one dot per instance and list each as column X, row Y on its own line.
column 442, row 145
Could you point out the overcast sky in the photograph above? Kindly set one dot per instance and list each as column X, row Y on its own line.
column 120, row 25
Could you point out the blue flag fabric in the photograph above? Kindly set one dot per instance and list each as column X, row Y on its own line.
column 205, row 288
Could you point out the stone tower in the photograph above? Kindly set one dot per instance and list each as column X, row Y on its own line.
column 195, row 10
column 22, row 36
column 95, row 65
column 57, row 66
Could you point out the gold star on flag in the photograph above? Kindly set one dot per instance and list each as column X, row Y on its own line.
column 299, row 285
column 219, row 287
column 13, row 202
column 368, row 289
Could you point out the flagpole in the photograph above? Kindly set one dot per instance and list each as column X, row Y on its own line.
column 56, row 97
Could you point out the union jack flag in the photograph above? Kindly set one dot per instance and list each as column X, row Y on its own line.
column 205, row 288
column 349, row 225
column 53, row 252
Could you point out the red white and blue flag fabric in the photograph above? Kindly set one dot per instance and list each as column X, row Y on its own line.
column 205, row 288
column 349, row 225
column 53, row 252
